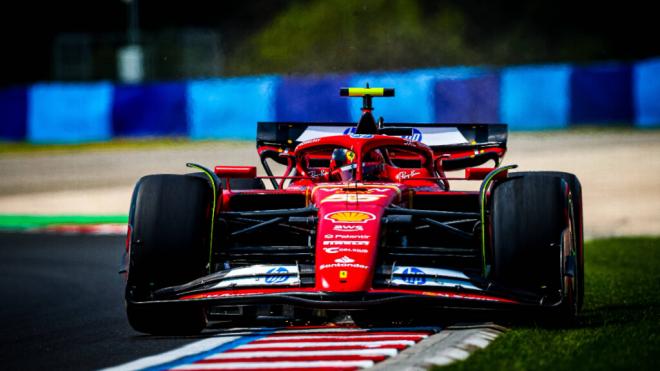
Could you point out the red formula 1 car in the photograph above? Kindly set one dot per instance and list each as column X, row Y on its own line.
column 363, row 220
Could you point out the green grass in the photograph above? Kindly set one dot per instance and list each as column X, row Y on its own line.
column 20, row 222
column 619, row 327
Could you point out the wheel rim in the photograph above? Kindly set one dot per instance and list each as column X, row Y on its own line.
column 568, row 250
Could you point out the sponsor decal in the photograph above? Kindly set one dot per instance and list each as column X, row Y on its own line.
column 413, row 276
column 317, row 174
column 381, row 190
column 399, row 270
column 361, row 136
column 335, row 250
column 271, row 279
column 345, row 243
column 352, row 130
column 350, row 217
column 407, row 174
column 343, row 275
column 343, row 265
column 315, row 140
column 344, row 259
column 348, row 228
column 313, row 132
column 364, row 188
column 352, row 197
column 415, row 137
column 348, row 236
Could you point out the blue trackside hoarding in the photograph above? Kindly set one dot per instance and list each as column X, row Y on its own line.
column 536, row 97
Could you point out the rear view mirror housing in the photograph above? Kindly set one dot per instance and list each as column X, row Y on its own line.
column 244, row 172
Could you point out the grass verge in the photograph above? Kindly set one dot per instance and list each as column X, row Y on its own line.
column 619, row 327
column 21, row 222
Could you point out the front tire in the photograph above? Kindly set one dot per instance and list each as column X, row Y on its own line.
column 169, row 246
column 535, row 239
column 576, row 192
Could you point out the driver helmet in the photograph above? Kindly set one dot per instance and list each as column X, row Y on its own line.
column 341, row 157
column 373, row 165
column 375, row 156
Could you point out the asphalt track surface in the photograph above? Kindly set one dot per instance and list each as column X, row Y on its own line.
column 619, row 171
column 61, row 305
column 62, row 309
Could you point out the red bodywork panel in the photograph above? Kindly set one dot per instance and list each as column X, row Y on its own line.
column 349, row 212
column 348, row 232
column 248, row 172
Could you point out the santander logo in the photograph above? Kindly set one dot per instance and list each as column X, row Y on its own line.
column 345, row 260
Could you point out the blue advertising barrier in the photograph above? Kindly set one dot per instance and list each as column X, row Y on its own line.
column 229, row 108
column 311, row 98
column 647, row 93
column 535, row 97
column 13, row 113
column 69, row 113
column 525, row 97
column 150, row 110
column 601, row 94
column 413, row 101
column 475, row 99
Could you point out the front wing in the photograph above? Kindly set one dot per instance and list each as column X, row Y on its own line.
column 493, row 297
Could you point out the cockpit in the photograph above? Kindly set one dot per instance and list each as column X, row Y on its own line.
column 397, row 163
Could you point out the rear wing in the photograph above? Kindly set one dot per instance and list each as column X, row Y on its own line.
column 460, row 145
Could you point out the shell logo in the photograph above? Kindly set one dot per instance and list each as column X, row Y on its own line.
column 350, row 217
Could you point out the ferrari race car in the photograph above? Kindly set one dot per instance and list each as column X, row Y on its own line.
column 363, row 220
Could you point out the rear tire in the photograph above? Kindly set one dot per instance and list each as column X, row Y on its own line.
column 535, row 239
column 169, row 246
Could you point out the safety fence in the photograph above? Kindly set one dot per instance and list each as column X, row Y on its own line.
column 526, row 97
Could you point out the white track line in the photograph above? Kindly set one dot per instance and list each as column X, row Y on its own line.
column 346, row 337
column 299, row 342
column 452, row 344
column 187, row 350
column 390, row 352
column 463, row 349
column 275, row 365
column 367, row 344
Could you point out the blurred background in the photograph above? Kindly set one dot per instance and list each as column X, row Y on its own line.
column 76, row 40
column 94, row 94
column 136, row 68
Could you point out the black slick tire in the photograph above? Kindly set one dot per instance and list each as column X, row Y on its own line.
column 169, row 245
column 535, row 239
column 575, row 187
